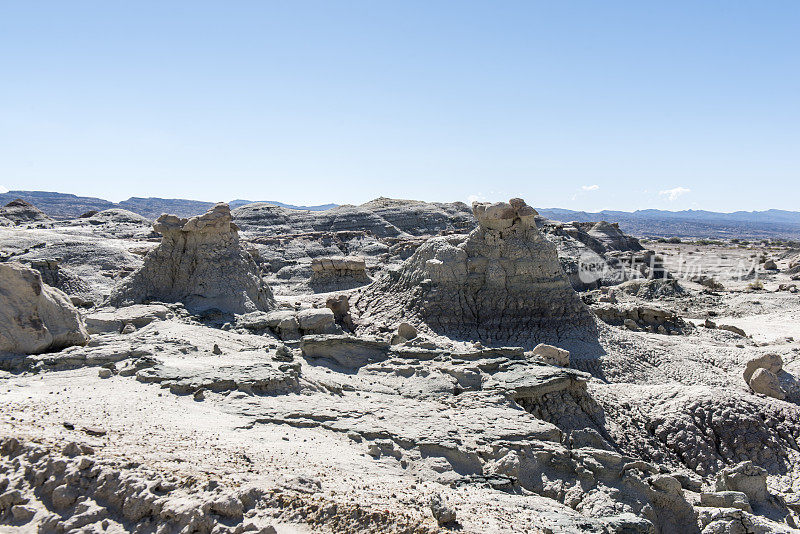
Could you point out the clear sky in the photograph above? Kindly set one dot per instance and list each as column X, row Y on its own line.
column 576, row 104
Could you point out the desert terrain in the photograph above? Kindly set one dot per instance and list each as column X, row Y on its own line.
column 397, row 366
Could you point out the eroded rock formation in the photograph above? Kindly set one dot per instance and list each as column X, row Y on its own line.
column 20, row 212
column 338, row 272
column 201, row 263
column 35, row 317
column 500, row 284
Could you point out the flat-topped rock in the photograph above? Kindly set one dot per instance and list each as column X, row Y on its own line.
column 348, row 351
column 533, row 381
column 114, row 320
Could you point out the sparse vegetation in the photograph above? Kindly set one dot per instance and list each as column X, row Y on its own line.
column 755, row 285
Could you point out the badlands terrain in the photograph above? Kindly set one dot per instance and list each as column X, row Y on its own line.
column 397, row 366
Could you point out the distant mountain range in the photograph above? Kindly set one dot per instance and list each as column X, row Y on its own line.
column 66, row 206
column 779, row 224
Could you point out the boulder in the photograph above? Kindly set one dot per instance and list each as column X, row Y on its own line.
column 35, row 317
column 406, row 331
column 630, row 324
column 550, row 355
column 766, row 383
column 730, row 328
column 317, row 321
column 747, row 478
column 770, row 265
column 771, row 362
column 201, row 263
column 442, row 513
column 340, row 306
column 114, row 320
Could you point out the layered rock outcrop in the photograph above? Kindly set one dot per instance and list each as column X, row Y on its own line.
column 20, row 212
column 35, row 317
column 338, row 272
column 201, row 263
column 500, row 284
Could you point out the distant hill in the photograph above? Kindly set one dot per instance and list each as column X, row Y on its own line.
column 58, row 205
column 67, row 206
column 779, row 224
column 322, row 207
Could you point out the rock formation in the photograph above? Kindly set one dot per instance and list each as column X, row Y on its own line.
column 761, row 374
column 500, row 284
column 201, row 263
column 338, row 272
column 20, row 212
column 35, row 317
column 612, row 238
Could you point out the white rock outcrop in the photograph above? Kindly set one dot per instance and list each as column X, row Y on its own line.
column 35, row 317
column 201, row 263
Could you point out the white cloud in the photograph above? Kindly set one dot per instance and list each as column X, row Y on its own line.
column 672, row 194
column 594, row 187
column 475, row 198
column 3, row 189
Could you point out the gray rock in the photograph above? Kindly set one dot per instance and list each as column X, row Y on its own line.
column 201, row 263
column 730, row 328
column 630, row 324
column 22, row 514
column 771, row 362
column 63, row 497
column 725, row 499
column 317, row 321
column 745, row 477
column 114, row 320
column 765, row 382
column 442, row 513
column 501, row 283
column 35, row 317
column 550, row 355
column 406, row 331
column 348, row 351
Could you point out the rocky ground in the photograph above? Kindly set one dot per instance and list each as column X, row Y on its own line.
column 316, row 409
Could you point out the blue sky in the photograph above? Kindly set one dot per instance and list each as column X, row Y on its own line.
column 582, row 105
